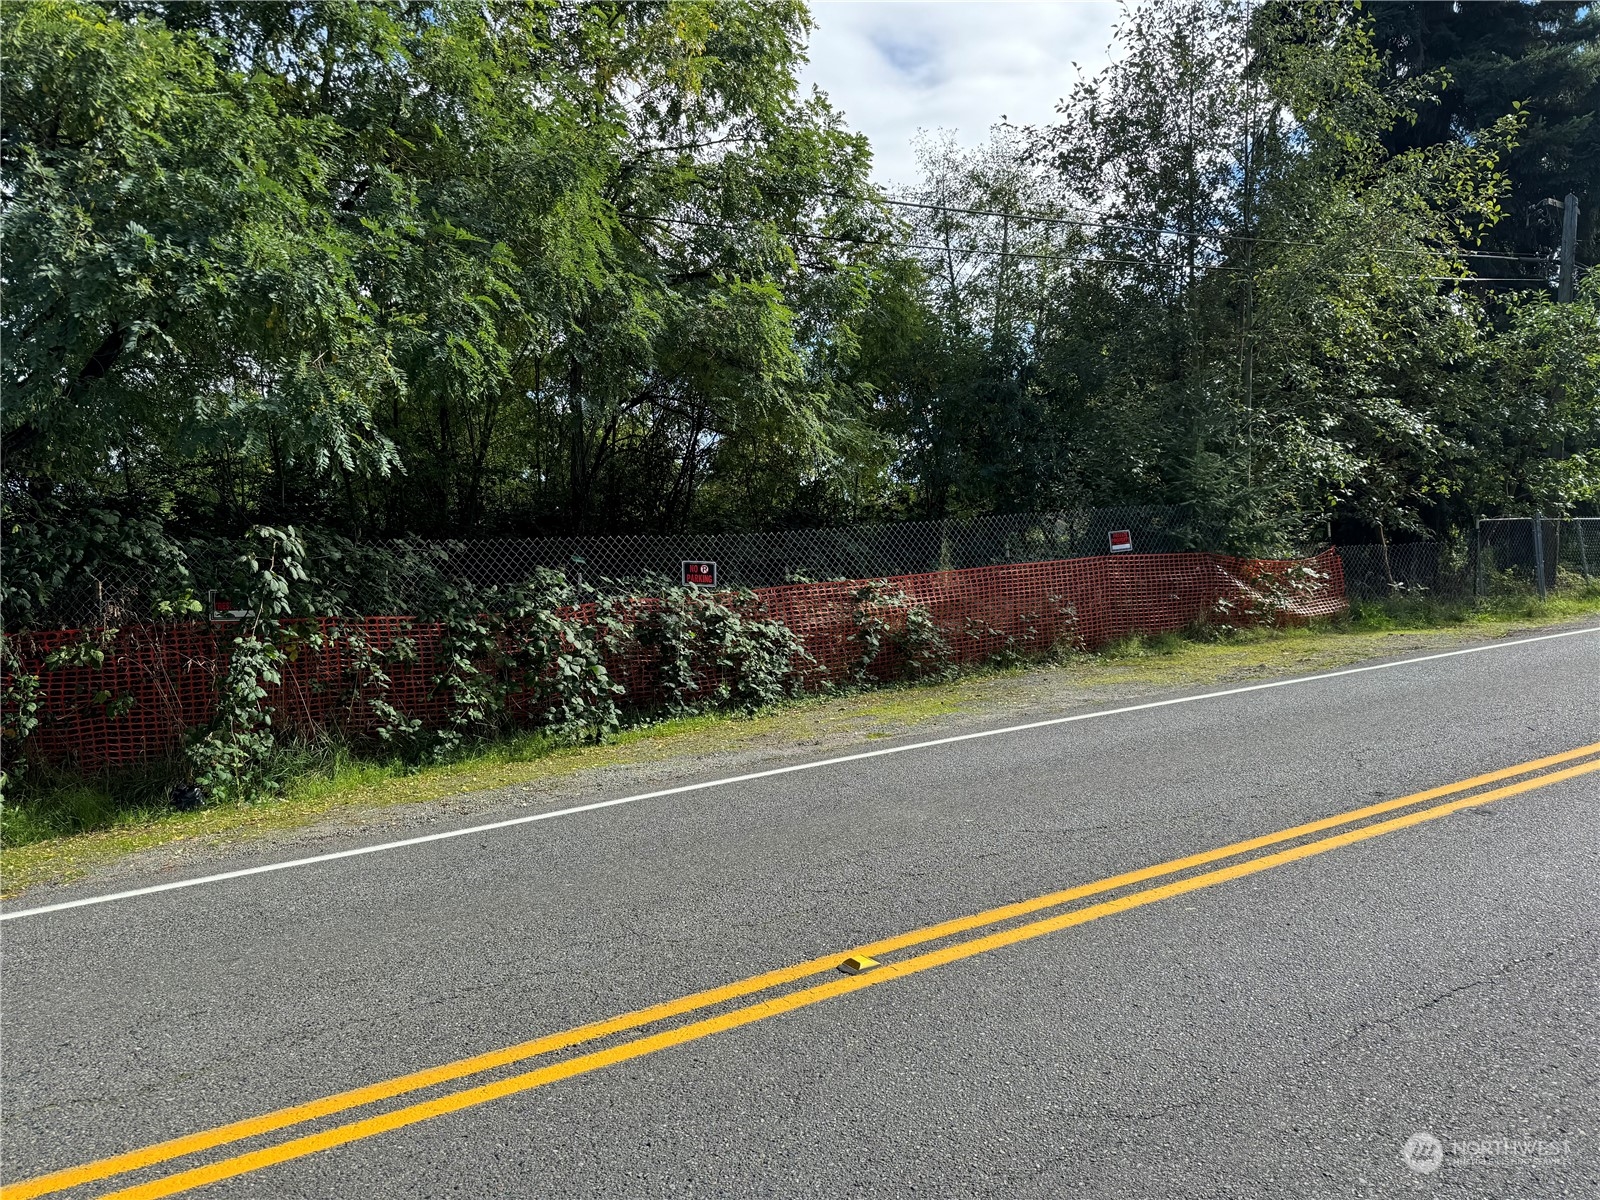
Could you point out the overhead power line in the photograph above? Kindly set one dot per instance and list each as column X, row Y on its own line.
column 895, row 243
column 1076, row 259
column 1164, row 230
column 1168, row 230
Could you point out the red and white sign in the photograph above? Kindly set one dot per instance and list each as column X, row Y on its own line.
column 223, row 610
column 702, row 573
column 1121, row 541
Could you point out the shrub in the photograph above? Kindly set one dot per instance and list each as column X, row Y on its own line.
column 890, row 628
column 720, row 649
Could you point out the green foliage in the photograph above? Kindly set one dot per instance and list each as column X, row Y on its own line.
column 532, row 651
column 177, row 280
column 88, row 651
column 1267, row 317
column 52, row 804
column 22, row 701
column 429, row 269
column 1488, row 58
column 719, row 649
column 886, row 621
column 65, row 544
column 369, row 684
column 555, row 657
column 377, row 271
column 20, row 706
column 230, row 758
column 467, row 655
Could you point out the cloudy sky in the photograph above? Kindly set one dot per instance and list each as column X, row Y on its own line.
column 897, row 67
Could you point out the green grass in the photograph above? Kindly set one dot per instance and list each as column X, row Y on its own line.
column 57, row 826
column 62, row 806
column 1426, row 612
column 55, row 804
column 1159, row 645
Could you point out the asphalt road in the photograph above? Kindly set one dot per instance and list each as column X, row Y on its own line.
column 1280, row 1032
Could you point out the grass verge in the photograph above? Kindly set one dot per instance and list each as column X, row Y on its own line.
column 65, row 827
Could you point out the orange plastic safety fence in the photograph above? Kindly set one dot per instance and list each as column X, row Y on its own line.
column 157, row 681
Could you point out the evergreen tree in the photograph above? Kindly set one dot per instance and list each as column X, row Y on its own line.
column 1487, row 58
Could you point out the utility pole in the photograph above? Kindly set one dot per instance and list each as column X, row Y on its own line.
column 1569, row 249
column 1247, row 349
column 1569, row 275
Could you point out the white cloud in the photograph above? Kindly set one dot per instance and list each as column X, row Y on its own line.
column 894, row 68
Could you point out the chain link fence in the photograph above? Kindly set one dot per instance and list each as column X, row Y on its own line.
column 1379, row 571
column 810, row 555
column 1502, row 556
column 415, row 576
column 1516, row 554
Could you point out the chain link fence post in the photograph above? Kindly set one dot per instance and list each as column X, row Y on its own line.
column 1477, row 558
column 1538, row 553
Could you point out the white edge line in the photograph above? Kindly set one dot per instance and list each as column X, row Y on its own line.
column 766, row 774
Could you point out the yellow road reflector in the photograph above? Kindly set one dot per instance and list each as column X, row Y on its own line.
column 857, row 963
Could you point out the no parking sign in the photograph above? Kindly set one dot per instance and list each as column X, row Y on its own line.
column 704, row 574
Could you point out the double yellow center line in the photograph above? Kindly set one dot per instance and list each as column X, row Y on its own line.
column 1478, row 790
